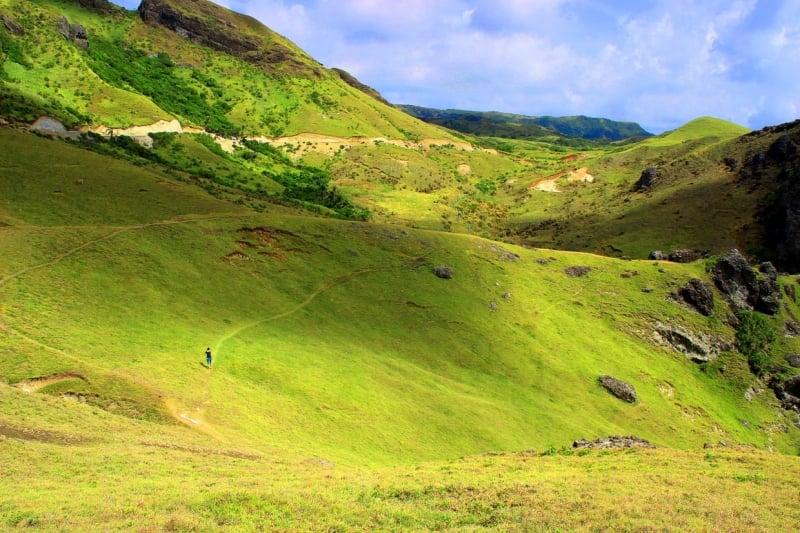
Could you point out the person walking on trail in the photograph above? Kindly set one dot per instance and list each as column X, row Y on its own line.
column 208, row 357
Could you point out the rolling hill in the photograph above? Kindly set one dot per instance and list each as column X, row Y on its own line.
column 397, row 343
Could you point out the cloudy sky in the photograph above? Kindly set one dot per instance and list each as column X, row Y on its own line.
column 660, row 63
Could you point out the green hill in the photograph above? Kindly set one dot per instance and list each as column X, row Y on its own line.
column 396, row 347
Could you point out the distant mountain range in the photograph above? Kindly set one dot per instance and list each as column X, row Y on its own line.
column 512, row 126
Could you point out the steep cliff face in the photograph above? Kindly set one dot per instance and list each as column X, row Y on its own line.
column 774, row 163
column 210, row 25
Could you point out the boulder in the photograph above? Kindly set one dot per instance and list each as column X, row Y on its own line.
column 697, row 295
column 647, row 178
column 684, row 256
column 737, row 280
column 79, row 35
column 614, row 441
column 622, row 390
column 657, row 255
column 443, row 271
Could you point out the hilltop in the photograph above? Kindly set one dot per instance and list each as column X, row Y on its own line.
column 410, row 326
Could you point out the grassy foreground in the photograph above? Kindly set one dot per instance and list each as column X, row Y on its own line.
column 141, row 477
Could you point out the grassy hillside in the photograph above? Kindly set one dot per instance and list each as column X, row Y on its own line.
column 341, row 363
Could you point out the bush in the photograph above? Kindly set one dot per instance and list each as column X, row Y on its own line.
column 754, row 339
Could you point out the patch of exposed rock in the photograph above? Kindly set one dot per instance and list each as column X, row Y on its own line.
column 614, row 441
column 213, row 26
column 698, row 347
column 793, row 359
column 622, row 390
column 577, row 271
column 698, row 295
column 12, row 26
column 738, row 281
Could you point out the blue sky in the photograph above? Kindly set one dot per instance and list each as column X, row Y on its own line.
column 660, row 63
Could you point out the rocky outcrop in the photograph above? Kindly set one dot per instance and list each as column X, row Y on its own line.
column 213, row 26
column 12, row 26
column 657, row 255
column 614, row 441
column 351, row 80
column 646, row 179
column 101, row 6
column 622, row 390
column 737, row 280
column 698, row 347
column 788, row 392
column 75, row 33
column 698, row 295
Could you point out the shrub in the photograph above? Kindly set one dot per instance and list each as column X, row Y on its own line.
column 754, row 339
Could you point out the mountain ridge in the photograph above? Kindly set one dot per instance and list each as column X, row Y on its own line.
column 525, row 126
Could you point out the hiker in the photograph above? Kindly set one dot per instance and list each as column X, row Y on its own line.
column 208, row 357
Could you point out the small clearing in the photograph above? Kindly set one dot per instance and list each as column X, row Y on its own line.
column 549, row 184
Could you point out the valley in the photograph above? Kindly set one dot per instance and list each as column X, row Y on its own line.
column 410, row 326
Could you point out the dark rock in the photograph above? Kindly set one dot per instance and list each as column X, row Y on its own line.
column 647, row 178
column 731, row 164
column 657, row 255
column 12, row 26
column 577, row 271
column 698, row 347
column 443, row 271
column 737, row 280
column 698, row 295
column 793, row 359
column 791, row 329
column 684, row 256
column 620, row 389
column 614, row 441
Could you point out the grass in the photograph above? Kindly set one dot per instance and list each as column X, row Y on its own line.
column 352, row 389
